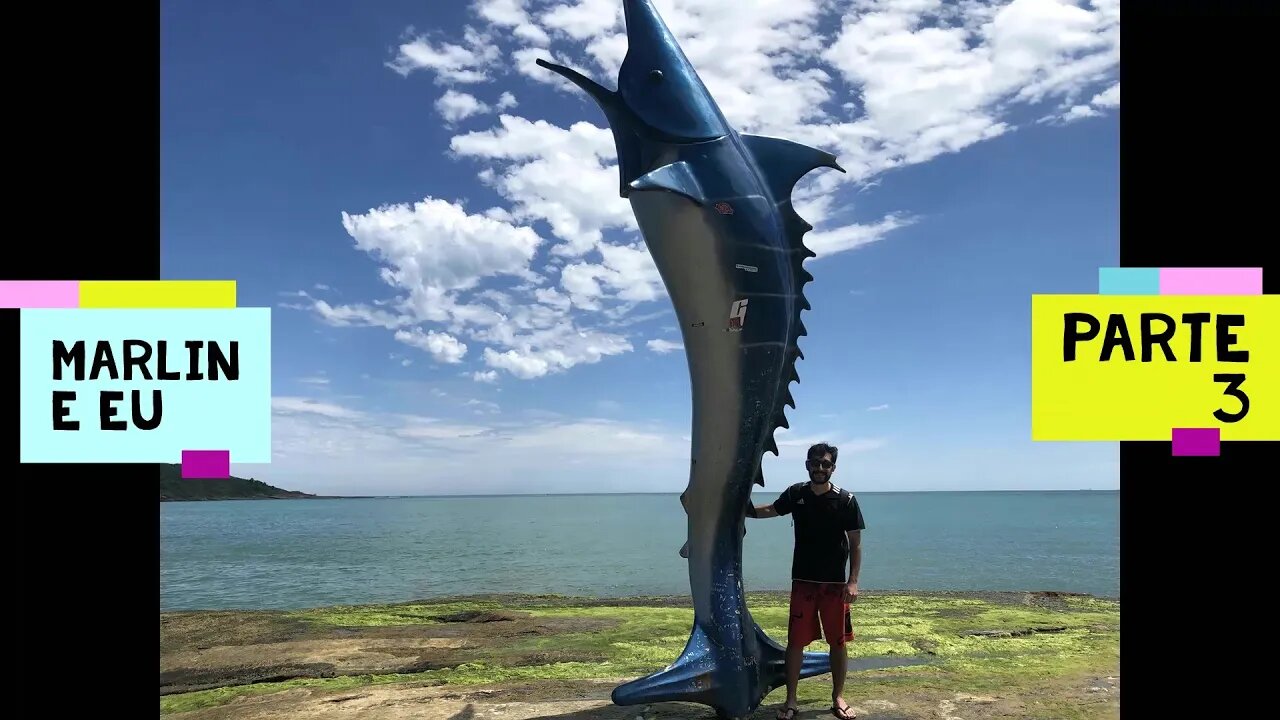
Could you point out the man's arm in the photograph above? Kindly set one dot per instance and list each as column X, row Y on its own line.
column 762, row 511
column 781, row 506
column 855, row 565
column 855, row 555
column 853, row 527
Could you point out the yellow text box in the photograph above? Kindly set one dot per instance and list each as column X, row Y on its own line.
column 158, row 294
column 1088, row 399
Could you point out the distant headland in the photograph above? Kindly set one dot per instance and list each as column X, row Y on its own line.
column 173, row 487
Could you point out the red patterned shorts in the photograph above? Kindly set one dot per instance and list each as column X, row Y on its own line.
column 819, row 610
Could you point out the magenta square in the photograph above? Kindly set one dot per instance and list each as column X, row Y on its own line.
column 207, row 464
column 39, row 294
column 1211, row 281
column 1197, row 442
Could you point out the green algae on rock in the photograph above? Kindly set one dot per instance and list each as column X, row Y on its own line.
column 1028, row 647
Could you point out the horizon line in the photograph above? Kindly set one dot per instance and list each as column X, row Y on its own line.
column 668, row 492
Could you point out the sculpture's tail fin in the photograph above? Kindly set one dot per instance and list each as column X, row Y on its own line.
column 689, row 679
column 692, row 677
column 774, row 660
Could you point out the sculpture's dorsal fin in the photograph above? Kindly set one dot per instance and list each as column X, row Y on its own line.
column 783, row 162
column 795, row 227
column 802, row 277
column 677, row 177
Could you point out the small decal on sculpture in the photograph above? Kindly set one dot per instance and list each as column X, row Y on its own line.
column 737, row 315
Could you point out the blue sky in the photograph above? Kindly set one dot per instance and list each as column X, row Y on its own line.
column 400, row 181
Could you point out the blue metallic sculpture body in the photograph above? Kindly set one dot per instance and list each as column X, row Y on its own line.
column 714, row 207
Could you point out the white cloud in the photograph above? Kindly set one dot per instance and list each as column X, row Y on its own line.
column 307, row 406
column 848, row 237
column 565, row 177
column 358, row 314
column 436, row 244
column 664, row 346
column 451, row 63
column 881, row 83
column 755, row 58
column 506, row 101
column 454, row 106
column 1103, row 101
column 794, row 444
column 584, row 19
column 329, row 449
column 512, row 14
column 553, row 350
column 434, row 252
column 627, row 274
column 483, row 407
column 442, row 346
column 877, row 408
column 930, row 87
column 1109, row 98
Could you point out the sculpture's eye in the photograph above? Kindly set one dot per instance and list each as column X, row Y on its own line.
column 655, row 76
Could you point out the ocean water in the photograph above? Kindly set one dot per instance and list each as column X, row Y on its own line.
column 258, row 554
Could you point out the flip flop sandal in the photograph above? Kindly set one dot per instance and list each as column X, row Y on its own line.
column 845, row 713
column 788, row 713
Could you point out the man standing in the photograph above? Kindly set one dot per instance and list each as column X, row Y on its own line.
column 828, row 530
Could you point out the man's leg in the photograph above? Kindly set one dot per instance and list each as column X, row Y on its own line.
column 795, row 656
column 802, row 629
column 837, row 623
column 839, row 667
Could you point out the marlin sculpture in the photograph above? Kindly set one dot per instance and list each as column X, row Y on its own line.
column 714, row 207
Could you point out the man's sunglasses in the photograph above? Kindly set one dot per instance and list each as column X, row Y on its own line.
column 824, row 464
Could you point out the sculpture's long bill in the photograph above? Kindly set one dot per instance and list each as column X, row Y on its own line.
column 714, row 207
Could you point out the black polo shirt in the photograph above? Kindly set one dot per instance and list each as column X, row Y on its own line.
column 821, row 551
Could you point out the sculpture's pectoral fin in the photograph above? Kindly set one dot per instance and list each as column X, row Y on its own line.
column 676, row 178
column 784, row 162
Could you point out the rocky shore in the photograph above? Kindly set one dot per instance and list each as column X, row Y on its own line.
column 973, row 656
